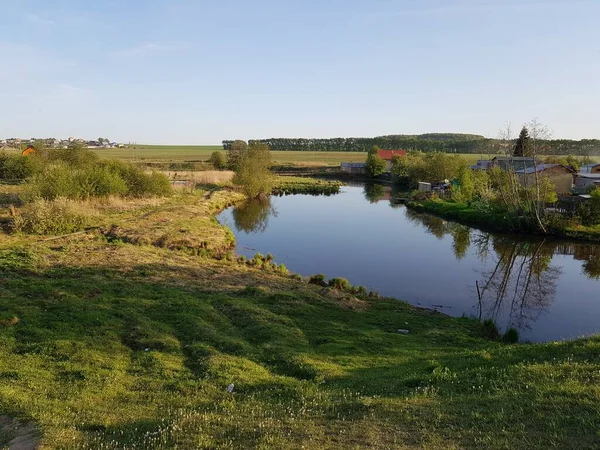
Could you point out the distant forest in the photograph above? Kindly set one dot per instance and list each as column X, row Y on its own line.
column 431, row 142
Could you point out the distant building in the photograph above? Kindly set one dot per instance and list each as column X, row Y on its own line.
column 482, row 164
column 590, row 168
column 560, row 176
column 513, row 163
column 585, row 181
column 30, row 150
column 353, row 167
column 389, row 155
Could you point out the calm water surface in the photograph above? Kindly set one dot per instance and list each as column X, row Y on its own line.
column 548, row 289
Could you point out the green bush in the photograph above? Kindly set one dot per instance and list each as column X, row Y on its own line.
column 511, row 336
column 340, row 283
column 318, row 279
column 17, row 167
column 58, row 216
column 218, row 160
column 74, row 156
column 490, row 330
column 99, row 180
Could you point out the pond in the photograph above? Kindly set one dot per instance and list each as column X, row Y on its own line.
column 548, row 289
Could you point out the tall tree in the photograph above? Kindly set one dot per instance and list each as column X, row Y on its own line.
column 235, row 152
column 253, row 173
column 523, row 145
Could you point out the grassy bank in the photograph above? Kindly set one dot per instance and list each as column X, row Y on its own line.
column 468, row 215
column 118, row 339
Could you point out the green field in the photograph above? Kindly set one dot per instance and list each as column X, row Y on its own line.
column 128, row 337
column 166, row 153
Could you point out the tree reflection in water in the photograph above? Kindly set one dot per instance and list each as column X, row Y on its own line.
column 373, row 192
column 521, row 282
column 252, row 216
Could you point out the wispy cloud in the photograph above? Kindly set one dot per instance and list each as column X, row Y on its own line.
column 150, row 48
column 466, row 6
column 39, row 20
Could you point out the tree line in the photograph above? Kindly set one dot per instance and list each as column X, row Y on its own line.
column 434, row 142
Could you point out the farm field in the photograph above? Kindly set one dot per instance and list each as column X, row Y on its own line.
column 156, row 153
column 177, row 153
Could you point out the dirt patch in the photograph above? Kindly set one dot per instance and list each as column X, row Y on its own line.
column 18, row 436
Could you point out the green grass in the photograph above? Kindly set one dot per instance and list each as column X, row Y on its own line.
column 166, row 153
column 125, row 338
column 489, row 220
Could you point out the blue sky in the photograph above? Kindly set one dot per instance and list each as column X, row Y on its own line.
column 197, row 72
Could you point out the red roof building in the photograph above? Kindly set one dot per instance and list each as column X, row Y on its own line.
column 388, row 155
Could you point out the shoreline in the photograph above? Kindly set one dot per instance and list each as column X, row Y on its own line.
column 472, row 219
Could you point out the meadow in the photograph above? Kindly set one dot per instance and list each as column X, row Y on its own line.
column 148, row 332
column 159, row 153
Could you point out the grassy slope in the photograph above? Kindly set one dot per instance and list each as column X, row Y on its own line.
column 120, row 345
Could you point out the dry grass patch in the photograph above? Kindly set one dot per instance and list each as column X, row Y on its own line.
column 203, row 177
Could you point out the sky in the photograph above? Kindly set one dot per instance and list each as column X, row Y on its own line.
column 198, row 72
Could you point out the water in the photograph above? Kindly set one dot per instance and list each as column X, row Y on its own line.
column 548, row 289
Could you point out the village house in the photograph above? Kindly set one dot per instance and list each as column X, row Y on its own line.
column 560, row 176
column 389, row 155
column 590, row 168
column 586, row 181
column 513, row 163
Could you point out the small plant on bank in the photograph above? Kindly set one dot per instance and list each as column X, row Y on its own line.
column 58, row 216
column 318, row 279
column 490, row 330
column 511, row 336
column 340, row 283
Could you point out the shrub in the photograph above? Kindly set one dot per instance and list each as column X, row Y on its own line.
column 218, row 160
column 58, row 216
column 490, row 330
column 318, row 279
column 360, row 290
column 99, row 180
column 75, row 156
column 340, row 283
column 17, row 167
column 53, row 182
column 511, row 336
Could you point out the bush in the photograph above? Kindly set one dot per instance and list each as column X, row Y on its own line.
column 340, row 283
column 58, row 216
column 100, row 180
column 490, row 330
column 590, row 210
column 318, row 279
column 17, row 167
column 75, row 156
column 511, row 336
column 218, row 160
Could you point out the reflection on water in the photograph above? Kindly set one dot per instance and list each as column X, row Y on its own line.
column 252, row 216
column 548, row 289
column 375, row 192
column 520, row 281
